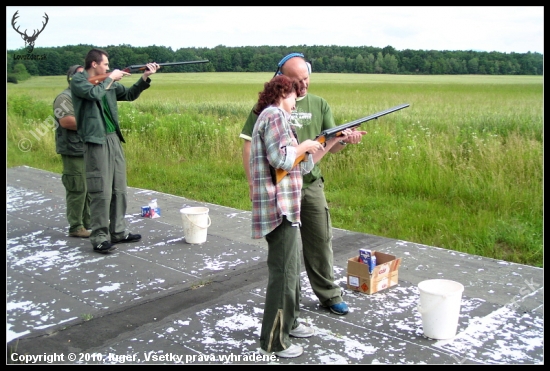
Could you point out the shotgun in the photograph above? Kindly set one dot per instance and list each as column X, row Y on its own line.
column 336, row 132
column 139, row 67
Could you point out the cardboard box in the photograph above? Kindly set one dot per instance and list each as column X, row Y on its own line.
column 383, row 276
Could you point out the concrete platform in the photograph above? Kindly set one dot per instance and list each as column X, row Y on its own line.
column 164, row 301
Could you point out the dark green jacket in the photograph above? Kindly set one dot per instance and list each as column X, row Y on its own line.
column 67, row 142
column 88, row 104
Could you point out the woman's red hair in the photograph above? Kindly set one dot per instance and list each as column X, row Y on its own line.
column 278, row 87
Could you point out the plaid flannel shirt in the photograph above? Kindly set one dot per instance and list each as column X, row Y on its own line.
column 273, row 144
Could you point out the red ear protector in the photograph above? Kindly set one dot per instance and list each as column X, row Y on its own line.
column 285, row 59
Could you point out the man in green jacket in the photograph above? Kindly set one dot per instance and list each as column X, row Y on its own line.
column 95, row 94
column 69, row 145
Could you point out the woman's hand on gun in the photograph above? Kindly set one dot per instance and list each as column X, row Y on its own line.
column 311, row 146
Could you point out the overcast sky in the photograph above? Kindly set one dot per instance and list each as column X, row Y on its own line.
column 502, row 29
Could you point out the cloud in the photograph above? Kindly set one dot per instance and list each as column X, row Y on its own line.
column 503, row 29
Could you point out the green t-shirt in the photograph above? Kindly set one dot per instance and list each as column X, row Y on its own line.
column 312, row 116
column 110, row 126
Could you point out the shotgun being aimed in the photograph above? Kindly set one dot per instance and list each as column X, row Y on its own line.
column 336, row 132
column 139, row 67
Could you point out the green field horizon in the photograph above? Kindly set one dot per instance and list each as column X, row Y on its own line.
column 461, row 168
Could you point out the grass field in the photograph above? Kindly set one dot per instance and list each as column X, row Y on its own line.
column 461, row 168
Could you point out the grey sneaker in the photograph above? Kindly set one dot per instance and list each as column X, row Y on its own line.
column 302, row 331
column 292, row 351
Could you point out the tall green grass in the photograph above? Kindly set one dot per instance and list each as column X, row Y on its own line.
column 461, row 168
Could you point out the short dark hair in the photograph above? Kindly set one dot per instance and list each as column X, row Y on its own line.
column 95, row 55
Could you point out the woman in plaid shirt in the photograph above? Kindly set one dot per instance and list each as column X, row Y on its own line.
column 276, row 211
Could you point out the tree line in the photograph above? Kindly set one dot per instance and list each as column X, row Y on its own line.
column 54, row 61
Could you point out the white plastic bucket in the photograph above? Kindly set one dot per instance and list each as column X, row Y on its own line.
column 440, row 307
column 195, row 224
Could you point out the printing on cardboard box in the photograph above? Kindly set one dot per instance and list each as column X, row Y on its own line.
column 384, row 274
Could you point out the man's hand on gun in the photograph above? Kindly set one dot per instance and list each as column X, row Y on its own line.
column 151, row 69
column 352, row 136
column 348, row 136
column 117, row 75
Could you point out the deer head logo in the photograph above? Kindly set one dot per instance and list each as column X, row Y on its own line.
column 29, row 40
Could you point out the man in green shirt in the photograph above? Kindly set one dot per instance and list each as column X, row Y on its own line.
column 95, row 95
column 313, row 115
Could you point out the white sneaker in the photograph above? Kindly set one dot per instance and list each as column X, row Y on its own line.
column 302, row 331
column 292, row 351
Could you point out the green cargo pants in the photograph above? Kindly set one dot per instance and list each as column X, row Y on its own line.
column 76, row 195
column 106, row 181
column 282, row 298
column 316, row 233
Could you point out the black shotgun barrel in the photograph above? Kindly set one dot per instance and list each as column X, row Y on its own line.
column 335, row 130
column 137, row 67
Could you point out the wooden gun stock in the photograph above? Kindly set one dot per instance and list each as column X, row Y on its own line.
column 98, row 78
column 280, row 173
column 139, row 67
column 336, row 132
